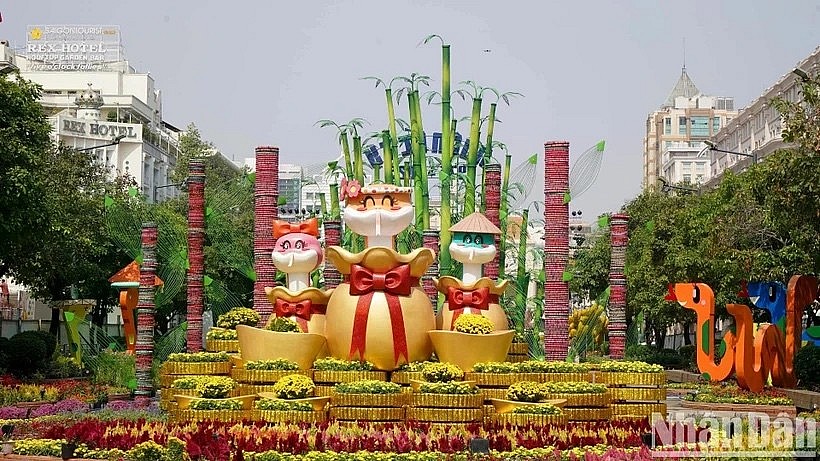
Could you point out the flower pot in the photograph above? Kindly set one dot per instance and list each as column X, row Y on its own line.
column 582, row 400
column 317, row 403
column 184, row 401
column 465, row 350
column 367, row 414
column 289, row 416
column 67, row 450
column 587, row 414
column 522, row 419
column 221, row 345
column 8, row 448
column 369, row 400
column 243, row 375
column 334, row 376
column 196, row 368
column 258, row 344
column 445, row 415
column 404, row 377
column 635, row 379
column 446, row 400
column 416, row 385
column 507, row 406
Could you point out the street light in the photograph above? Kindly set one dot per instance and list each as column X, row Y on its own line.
column 666, row 187
column 114, row 141
column 7, row 68
column 712, row 146
column 802, row 74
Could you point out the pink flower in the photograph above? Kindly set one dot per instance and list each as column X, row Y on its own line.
column 349, row 189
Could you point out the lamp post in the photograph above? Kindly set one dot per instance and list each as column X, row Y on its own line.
column 666, row 187
column 114, row 141
column 711, row 146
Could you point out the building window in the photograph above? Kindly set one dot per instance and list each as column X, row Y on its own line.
column 715, row 124
column 667, row 125
column 681, row 125
column 700, row 167
column 687, row 167
column 700, row 126
column 687, row 178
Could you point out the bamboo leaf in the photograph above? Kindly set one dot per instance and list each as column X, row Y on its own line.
column 600, row 146
column 430, row 37
column 376, row 79
column 533, row 160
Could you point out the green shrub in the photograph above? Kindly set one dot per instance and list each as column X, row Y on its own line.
column 114, row 368
column 26, row 353
column 687, row 354
column 63, row 367
column 667, row 358
column 639, row 352
column 805, row 363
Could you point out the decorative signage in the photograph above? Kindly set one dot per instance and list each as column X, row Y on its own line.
column 72, row 47
column 67, row 126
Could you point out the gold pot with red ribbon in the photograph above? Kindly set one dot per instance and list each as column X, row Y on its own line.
column 380, row 313
column 480, row 298
column 307, row 307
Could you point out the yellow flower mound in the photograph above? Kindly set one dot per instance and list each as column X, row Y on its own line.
column 294, row 387
column 474, row 324
column 238, row 316
column 438, row 372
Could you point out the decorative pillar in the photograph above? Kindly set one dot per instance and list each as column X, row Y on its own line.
column 430, row 239
column 492, row 191
column 145, row 311
column 556, row 249
column 266, row 197
column 618, row 225
column 333, row 237
column 196, row 254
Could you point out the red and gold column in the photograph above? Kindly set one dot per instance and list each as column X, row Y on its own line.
column 492, row 187
column 266, row 196
column 145, row 311
column 430, row 239
column 196, row 254
column 556, row 249
column 618, row 225
column 333, row 237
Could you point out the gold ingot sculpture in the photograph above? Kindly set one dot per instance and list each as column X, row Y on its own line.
column 465, row 349
column 258, row 344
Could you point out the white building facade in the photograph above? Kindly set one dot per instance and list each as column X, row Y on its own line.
column 756, row 130
column 99, row 103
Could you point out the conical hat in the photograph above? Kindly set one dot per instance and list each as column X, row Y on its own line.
column 476, row 223
column 131, row 273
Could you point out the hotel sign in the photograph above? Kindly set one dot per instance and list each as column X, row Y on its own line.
column 72, row 47
column 104, row 131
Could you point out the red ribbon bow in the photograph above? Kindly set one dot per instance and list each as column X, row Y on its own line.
column 302, row 310
column 393, row 283
column 281, row 228
column 458, row 300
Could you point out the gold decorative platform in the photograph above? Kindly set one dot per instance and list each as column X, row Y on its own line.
column 368, row 400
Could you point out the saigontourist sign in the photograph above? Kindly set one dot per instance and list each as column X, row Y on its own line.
column 72, row 47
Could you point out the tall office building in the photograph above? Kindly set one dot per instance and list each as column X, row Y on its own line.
column 676, row 131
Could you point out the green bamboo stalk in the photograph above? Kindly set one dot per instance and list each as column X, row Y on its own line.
column 377, row 169
column 358, row 165
column 323, row 204
column 445, row 260
column 346, row 151
column 418, row 201
column 394, row 139
column 502, row 214
column 522, row 277
column 522, row 245
column 472, row 156
column 387, row 147
column 453, row 128
column 425, row 186
column 335, row 210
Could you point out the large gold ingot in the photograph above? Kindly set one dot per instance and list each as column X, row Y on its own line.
column 379, row 341
column 465, row 350
column 258, row 344
column 317, row 297
column 494, row 311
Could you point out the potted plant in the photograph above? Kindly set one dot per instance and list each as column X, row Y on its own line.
column 8, row 446
column 578, row 394
column 368, row 400
column 296, row 388
column 281, row 339
column 632, row 373
column 494, row 373
column 446, row 402
column 543, row 371
column 330, row 370
column 266, row 371
column 212, row 394
column 541, row 414
column 472, row 341
column 439, row 372
column 220, row 339
column 283, row 411
column 524, row 393
column 407, row 372
column 198, row 363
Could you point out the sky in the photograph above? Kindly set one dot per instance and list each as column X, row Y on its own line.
column 252, row 73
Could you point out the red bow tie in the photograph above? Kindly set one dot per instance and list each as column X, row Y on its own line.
column 468, row 299
column 300, row 309
column 395, row 281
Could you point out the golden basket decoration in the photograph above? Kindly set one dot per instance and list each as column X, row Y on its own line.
column 368, row 400
column 404, row 377
column 642, row 409
column 445, row 415
column 601, row 399
column 446, row 400
column 489, row 410
column 523, row 419
column 196, row 368
column 167, row 380
column 632, row 379
column 184, row 401
column 557, row 377
column 497, row 393
column 323, row 391
column 367, row 414
column 246, row 389
column 628, row 417
column 244, row 375
column 225, row 416
column 317, row 403
column 494, row 379
column 289, row 416
column 222, row 345
column 335, row 376
column 638, row 394
column 508, row 406
column 519, row 349
column 516, row 358
column 587, row 414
